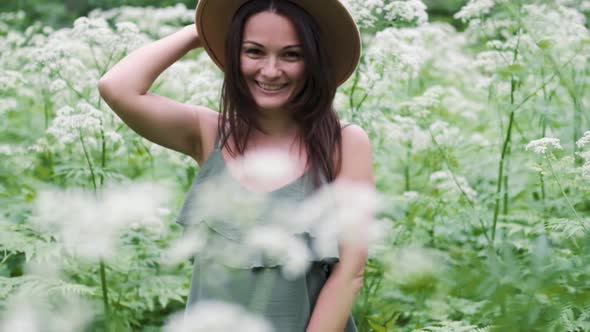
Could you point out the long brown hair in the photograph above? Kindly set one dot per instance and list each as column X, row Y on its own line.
column 312, row 106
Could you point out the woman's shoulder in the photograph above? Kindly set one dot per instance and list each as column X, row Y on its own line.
column 356, row 153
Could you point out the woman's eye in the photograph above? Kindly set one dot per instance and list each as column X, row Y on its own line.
column 293, row 55
column 253, row 51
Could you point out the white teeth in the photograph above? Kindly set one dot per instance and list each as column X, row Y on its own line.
column 270, row 87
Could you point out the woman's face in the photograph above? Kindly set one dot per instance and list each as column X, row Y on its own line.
column 271, row 60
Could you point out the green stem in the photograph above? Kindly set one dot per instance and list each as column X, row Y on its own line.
column 407, row 167
column 506, row 182
column 88, row 161
column 565, row 196
column 501, row 174
column 577, row 125
column 105, row 296
column 103, row 157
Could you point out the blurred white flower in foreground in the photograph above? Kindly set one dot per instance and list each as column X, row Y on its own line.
column 187, row 246
column 38, row 314
column 544, row 145
column 89, row 225
column 340, row 211
column 290, row 252
column 413, row 268
column 266, row 167
column 216, row 316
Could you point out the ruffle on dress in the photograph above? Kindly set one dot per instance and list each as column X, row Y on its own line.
column 231, row 235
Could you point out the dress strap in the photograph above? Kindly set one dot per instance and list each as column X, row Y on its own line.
column 346, row 125
column 217, row 140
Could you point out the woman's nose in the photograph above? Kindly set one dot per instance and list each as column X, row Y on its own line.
column 270, row 68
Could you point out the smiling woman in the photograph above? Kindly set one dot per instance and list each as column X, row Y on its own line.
column 282, row 62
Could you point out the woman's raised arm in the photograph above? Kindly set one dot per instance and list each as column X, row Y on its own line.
column 159, row 119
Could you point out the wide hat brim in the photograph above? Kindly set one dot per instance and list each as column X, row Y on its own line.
column 340, row 33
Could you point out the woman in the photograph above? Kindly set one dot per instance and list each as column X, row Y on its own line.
column 282, row 62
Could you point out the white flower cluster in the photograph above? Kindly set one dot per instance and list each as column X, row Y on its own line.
column 543, row 145
column 407, row 266
column 89, row 224
column 584, row 140
column 582, row 5
column 408, row 10
column 9, row 79
column 8, row 104
column 398, row 51
column 422, row 106
column 364, row 12
column 217, row 316
column 9, row 150
column 70, row 123
column 561, row 29
column 443, row 181
column 490, row 61
column 34, row 313
column 159, row 18
column 292, row 254
column 445, row 134
column 581, row 143
column 199, row 81
column 474, row 9
column 405, row 131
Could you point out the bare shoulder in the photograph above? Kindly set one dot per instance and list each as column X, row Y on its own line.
column 357, row 160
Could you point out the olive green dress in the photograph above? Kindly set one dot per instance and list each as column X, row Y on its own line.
column 255, row 283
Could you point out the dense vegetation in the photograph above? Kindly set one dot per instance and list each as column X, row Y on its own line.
column 481, row 145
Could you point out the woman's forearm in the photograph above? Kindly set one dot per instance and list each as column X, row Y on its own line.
column 334, row 303
column 136, row 72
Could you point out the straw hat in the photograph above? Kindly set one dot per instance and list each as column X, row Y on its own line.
column 341, row 35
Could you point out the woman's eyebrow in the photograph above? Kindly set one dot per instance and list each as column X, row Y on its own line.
column 260, row 45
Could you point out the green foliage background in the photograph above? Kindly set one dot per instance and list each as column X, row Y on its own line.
column 483, row 234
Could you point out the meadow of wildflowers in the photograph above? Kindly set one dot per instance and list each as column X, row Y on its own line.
column 481, row 147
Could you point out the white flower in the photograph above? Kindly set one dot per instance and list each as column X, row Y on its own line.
column 543, row 145
column 443, row 181
column 113, row 136
column 8, row 104
column 408, row 10
column 216, row 316
column 585, row 139
column 400, row 50
column 364, row 12
column 57, row 85
column 444, row 134
column 34, row 313
column 187, row 246
column 265, row 166
column 290, row 252
column 88, row 225
column 412, row 267
column 341, row 211
column 474, row 9
column 411, row 195
column 70, row 123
